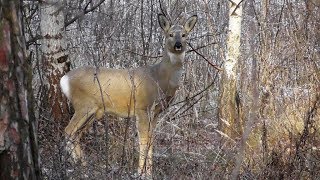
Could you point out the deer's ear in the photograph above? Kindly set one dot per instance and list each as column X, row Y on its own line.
column 189, row 25
column 164, row 22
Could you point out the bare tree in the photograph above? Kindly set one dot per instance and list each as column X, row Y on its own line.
column 18, row 136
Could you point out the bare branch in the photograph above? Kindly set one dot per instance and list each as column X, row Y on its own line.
column 208, row 61
column 130, row 51
column 84, row 12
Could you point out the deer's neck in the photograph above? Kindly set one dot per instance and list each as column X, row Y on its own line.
column 169, row 71
column 174, row 59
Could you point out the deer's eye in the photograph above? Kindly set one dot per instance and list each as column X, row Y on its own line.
column 183, row 35
column 171, row 35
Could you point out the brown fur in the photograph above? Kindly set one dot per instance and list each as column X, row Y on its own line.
column 141, row 92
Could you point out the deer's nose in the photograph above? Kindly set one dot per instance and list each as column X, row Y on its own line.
column 178, row 45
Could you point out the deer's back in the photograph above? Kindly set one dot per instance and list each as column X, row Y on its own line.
column 118, row 89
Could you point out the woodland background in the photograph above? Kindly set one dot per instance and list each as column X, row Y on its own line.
column 274, row 99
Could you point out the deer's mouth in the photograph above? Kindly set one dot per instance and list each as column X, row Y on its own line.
column 178, row 48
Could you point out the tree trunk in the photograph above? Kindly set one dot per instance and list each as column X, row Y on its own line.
column 229, row 113
column 55, row 62
column 18, row 136
column 54, row 55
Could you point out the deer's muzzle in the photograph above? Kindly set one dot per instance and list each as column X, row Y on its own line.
column 178, row 46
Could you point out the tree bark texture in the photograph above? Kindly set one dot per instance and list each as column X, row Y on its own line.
column 54, row 55
column 18, row 137
column 230, row 121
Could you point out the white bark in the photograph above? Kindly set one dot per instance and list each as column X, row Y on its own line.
column 232, row 58
column 52, row 29
column 233, row 40
column 54, row 54
column 227, row 107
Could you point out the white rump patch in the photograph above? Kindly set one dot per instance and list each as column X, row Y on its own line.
column 65, row 87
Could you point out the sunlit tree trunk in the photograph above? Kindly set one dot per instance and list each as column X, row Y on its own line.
column 18, row 136
column 54, row 54
column 230, row 121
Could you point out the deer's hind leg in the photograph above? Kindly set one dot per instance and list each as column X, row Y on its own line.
column 81, row 119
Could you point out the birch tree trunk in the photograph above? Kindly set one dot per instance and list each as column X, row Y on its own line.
column 230, row 122
column 54, row 54
column 18, row 136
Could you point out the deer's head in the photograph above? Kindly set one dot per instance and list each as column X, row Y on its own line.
column 176, row 35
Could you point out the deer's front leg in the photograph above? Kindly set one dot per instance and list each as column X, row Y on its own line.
column 145, row 126
column 74, row 130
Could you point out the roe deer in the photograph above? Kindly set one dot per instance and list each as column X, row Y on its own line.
column 141, row 92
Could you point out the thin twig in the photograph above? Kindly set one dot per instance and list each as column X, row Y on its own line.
column 213, row 65
column 84, row 12
column 128, row 50
column 154, row 57
column 201, row 47
column 238, row 5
